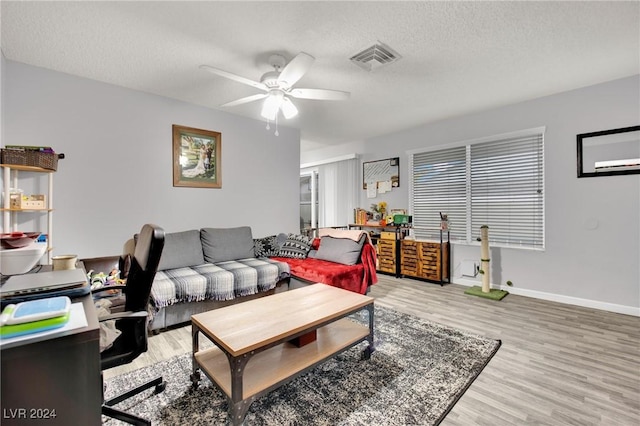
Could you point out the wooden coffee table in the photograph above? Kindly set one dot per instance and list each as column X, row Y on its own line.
column 253, row 353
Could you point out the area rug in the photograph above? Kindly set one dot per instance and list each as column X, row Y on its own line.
column 417, row 373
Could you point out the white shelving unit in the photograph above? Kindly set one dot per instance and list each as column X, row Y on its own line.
column 10, row 215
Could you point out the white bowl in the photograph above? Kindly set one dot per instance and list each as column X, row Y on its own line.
column 21, row 260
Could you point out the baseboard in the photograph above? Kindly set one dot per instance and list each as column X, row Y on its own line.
column 586, row 303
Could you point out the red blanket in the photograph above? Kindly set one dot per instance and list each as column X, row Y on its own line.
column 356, row 278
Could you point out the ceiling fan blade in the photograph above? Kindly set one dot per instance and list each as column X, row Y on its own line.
column 234, row 77
column 295, row 69
column 246, row 99
column 322, row 94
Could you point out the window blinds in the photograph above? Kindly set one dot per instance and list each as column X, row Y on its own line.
column 439, row 185
column 498, row 183
column 506, row 191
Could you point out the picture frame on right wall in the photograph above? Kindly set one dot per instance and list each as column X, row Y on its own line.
column 609, row 152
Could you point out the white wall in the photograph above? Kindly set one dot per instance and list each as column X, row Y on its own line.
column 592, row 235
column 117, row 174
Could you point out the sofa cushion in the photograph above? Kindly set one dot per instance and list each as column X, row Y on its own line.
column 340, row 250
column 295, row 247
column 267, row 246
column 181, row 249
column 223, row 244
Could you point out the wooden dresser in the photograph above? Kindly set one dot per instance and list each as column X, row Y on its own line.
column 387, row 256
column 386, row 239
column 428, row 260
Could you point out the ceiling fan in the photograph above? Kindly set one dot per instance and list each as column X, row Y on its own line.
column 278, row 86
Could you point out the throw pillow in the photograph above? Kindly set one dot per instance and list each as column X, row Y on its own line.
column 181, row 249
column 267, row 246
column 223, row 244
column 296, row 247
column 341, row 250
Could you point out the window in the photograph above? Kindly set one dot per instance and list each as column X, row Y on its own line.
column 495, row 181
column 439, row 184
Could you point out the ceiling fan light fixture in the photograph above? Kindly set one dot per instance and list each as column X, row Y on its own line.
column 268, row 112
column 289, row 110
column 272, row 105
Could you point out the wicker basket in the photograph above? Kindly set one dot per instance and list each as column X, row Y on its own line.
column 28, row 157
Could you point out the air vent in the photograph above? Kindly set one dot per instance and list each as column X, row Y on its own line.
column 375, row 57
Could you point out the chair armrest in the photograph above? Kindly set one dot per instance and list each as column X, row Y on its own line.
column 123, row 315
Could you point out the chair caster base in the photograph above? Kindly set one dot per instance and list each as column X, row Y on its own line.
column 160, row 387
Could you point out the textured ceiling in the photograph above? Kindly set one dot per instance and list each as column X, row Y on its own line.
column 457, row 57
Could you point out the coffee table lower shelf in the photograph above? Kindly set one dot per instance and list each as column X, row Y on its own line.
column 275, row 366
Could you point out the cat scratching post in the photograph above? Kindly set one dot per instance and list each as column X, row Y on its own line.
column 485, row 267
column 484, row 258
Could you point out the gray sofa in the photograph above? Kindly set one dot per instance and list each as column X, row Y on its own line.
column 210, row 268
column 207, row 269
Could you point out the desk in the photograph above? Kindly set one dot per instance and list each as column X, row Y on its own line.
column 57, row 375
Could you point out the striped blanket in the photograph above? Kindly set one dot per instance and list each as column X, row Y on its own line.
column 219, row 281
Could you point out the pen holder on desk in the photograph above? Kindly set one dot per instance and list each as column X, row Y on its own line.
column 65, row 261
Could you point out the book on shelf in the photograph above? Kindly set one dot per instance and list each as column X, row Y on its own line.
column 359, row 216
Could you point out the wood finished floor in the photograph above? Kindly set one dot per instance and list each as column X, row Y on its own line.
column 558, row 364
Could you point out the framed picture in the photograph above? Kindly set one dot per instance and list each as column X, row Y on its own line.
column 196, row 157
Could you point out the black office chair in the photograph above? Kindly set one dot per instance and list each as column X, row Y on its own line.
column 133, row 321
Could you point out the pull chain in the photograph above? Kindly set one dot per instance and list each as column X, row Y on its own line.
column 269, row 126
